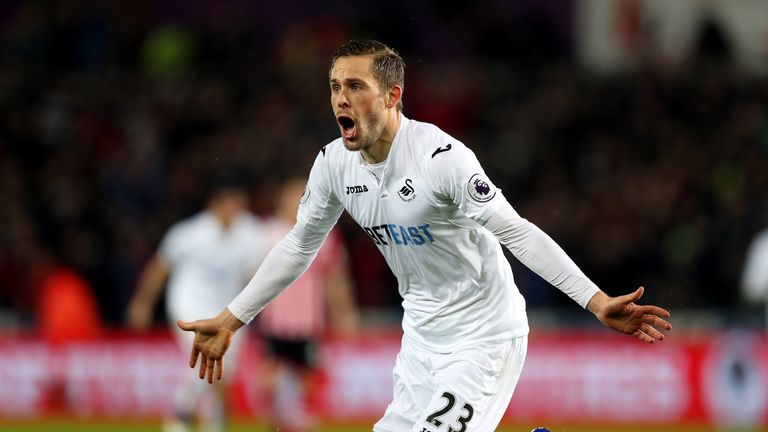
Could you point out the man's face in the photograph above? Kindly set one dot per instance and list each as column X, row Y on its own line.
column 357, row 102
column 229, row 202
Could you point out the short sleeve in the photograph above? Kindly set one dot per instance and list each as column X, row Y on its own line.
column 457, row 175
column 319, row 208
column 171, row 246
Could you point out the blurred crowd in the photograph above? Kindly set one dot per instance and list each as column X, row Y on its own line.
column 113, row 114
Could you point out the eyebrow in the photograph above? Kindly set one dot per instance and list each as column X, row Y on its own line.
column 347, row 80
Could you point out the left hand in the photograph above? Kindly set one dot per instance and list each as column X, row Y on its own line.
column 624, row 315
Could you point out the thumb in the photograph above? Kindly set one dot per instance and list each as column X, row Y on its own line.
column 634, row 296
column 187, row 326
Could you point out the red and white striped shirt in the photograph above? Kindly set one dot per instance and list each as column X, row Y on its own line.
column 299, row 312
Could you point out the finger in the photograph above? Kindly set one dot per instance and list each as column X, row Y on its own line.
column 193, row 356
column 642, row 336
column 653, row 310
column 186, row 326
column 657, row 322
column 209, row 370
column 220, row 369
column 203, row 365
column 652, row 332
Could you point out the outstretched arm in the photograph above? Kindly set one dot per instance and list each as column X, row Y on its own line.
column 284, row 264
column 457, row 175
column 537, row 251
column 318, row 212
column 288, row 260
column 540, row 253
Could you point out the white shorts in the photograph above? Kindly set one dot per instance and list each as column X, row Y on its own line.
column 467, row 390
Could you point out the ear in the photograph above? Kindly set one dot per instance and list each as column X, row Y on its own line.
column 394, row 96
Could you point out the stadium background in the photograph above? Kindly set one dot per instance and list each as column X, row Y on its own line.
column 635, row 132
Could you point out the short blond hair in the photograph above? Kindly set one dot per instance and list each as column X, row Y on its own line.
column 388, row 67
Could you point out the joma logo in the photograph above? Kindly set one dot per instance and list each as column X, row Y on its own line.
column 356, row 189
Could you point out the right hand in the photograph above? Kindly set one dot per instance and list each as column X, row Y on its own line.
column 210, row 344
column 212, row 338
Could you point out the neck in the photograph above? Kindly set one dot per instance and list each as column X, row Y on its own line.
column 379, row 150
column 225, row 219
column 288, row 214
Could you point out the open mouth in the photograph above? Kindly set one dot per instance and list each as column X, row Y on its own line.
column 347, row 125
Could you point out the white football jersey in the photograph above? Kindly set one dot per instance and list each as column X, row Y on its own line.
column 208, row 263
column 424, row 212
column 754, row 278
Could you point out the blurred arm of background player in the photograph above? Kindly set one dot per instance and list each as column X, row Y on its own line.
column 342, row 312
column 151, row 284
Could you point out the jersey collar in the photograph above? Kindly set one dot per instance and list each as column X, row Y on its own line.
column 391, row 161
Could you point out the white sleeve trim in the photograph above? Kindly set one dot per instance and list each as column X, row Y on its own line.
column 537, row 251
column 284, row 264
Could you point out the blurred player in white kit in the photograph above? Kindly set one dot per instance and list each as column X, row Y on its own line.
column 425, row 201
column 205, row 261
column 754, row 277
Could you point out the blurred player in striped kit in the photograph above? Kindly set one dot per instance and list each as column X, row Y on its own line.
column 205, row 260
column 320, row 300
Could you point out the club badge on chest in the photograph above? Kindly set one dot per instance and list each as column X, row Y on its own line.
column 406, row 190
